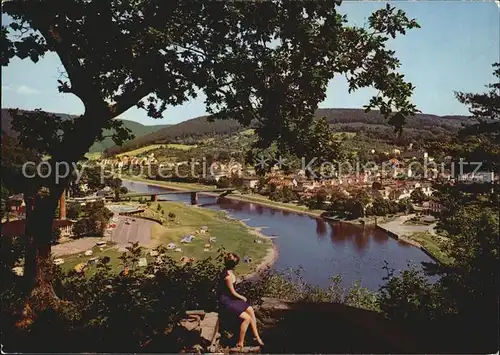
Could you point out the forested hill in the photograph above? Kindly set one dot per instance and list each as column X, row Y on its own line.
column 372, row 124
column 137, row 129
column 188, row 132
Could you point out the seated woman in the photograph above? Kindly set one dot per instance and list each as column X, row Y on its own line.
column 235, row 303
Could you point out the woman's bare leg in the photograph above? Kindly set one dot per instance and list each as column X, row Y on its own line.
column 246, row 320
column 250, row 311
column 253, row 324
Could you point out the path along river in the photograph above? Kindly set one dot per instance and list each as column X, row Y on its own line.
column 321, row 248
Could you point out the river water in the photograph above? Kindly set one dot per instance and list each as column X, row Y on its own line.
column 322, row 249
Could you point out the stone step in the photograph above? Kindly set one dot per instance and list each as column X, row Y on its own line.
column 246, row 350
column 198, row 312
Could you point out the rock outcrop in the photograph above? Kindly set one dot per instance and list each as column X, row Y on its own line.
column 313, row 327
column 200, row 332
column 321, row 327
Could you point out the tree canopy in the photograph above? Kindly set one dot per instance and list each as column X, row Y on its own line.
column 269, row 61
column 465, row 297
column 264, row 61
column 479, row 142
column 14, row 156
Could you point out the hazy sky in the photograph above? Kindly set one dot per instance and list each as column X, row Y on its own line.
column 453, row 51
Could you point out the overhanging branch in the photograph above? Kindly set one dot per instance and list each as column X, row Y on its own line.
column 128, row 99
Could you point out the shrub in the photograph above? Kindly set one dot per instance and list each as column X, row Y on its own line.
column 408, row 296
column 56, row 235
column 95, row 223
column 108, row 312
column 74, row 210
column 223, row 182
column 418, row 196
column 81, row 228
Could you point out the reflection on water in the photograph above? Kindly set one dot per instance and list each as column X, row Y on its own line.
column 380, row 237
column 359, row 237
column 321, row 227
column 322, row 248
column 258, row 208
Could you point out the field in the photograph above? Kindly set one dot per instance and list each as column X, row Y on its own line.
column 230, row 234
column 156, row 146
column 72, row 260
column 89, row 156
column 140, row 150
column 180, row 146
column 348, row 135
column 93, row 156
column 248, row 132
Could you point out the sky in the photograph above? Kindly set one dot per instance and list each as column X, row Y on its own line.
column 453, row 51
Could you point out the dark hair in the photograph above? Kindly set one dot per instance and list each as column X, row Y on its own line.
column 231, row 261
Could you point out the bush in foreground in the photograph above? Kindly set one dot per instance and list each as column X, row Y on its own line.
column 114, row 313
column 109, row 313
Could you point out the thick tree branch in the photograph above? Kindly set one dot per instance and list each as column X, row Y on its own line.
column 71, row 64
column 129, row 99
column 81, row 84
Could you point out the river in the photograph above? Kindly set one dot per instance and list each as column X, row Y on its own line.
column 322, row 249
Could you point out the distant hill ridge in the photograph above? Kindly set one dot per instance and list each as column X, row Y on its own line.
column 422, row 127
column 373, row 124
column 137, row 129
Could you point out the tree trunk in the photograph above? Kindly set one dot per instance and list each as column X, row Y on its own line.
column 29, row 257
column 41, row 210
column 38, row 274
column 40, row 231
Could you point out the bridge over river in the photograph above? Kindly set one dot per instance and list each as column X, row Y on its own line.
column 194, row 194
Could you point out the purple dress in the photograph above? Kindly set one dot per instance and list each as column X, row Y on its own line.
column 228, row 302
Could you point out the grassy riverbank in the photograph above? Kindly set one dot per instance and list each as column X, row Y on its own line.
column 256, row 198
column 230, row 234
column 179, row 186
column 424, row 239
column 419, row 235
column 432, row 243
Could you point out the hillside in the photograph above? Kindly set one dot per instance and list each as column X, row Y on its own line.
column 137, row 129
column 420, row 128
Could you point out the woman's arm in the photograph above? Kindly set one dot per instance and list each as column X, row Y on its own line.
column 230, row 286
